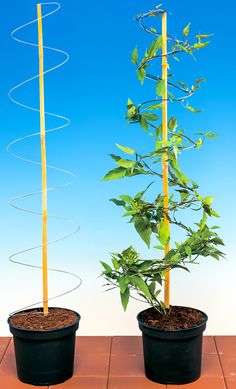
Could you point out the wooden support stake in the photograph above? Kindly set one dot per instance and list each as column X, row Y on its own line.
column 164, row 156
column 43, row 162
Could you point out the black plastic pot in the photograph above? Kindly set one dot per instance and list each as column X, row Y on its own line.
column 44, row 357
column 172, row 356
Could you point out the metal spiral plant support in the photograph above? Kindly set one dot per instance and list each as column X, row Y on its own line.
column 152, row 219
column 187, row 92
column 136, row 111
column 164, row 100
column 10, row 148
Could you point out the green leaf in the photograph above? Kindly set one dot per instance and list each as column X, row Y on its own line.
column 200, row 45
column 115, row 174
column 154, row 47
column 159, row 131
column 126, row 163
column 218, row 240
column 126, row 150
column 115, row 157
column 139, row 195
column 143, row 123
column 127, row 199
column 141, row 73
column 153, row 29
column 150, row 116
column 211, row 135
column 202, row 36
column 169, row 255
column 159, row 247
column 199, row 143
column 122, row 284
column 154, row 106
column 115, row 263
column 172, row 123
column 186, row 30
column 145, row 265
column 152, row 288
column 188, row 251
column 174, row 260
column 208, row 200
column 200, row 80
column 141, row 285
column 106, row 267
column 176, row 58
column 134, row 172
column 143, row 228
column 157, row 293
column 131, row 254
column 195, row 87
column 182, row 84
column 118, row 202
column 203, row 221
column 191, row 109
column 134, row 56
column 160, row 90
column 214, row 213
column 129, row 103
column 125, row 298
column 164, row 233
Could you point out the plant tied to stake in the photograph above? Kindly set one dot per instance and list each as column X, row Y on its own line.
column 152, row 220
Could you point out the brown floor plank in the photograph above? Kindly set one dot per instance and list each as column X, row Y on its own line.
column 208, row 346
column 211, row 366
column 126, row 357
column 126, row 366
column 83, row 383
column 4, row 342
column 230, row 382
column 12, row 382
column 8, row 365
column 122, row 357
column 226, row 345
column 133, row 383
column 228, row 364
column 126, row 345
column 203, row 382
column 92, row 355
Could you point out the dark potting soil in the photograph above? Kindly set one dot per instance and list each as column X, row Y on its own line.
column 177, row 318
column 37, row 321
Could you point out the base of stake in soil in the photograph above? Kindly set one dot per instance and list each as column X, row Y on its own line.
column 44, row 338
column 172, row 335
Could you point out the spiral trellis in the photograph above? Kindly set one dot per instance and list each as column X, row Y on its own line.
column 129, row 272
column 14, row 202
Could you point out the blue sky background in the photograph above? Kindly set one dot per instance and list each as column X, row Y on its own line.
column 92, row 90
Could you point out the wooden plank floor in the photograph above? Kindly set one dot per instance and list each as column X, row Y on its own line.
column 117, row 363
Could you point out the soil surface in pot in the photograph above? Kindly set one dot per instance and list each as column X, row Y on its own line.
column 177, row 318
column 36, row 320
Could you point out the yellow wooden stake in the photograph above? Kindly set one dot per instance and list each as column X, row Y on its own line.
column 43, row 162
column 164, row 156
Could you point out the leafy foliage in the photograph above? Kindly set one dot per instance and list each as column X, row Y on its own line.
column 128, row 271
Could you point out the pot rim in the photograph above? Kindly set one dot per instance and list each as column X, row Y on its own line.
column 175, row 330
column 42, row 331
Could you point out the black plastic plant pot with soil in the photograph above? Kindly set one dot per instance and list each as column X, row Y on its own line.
column 44, row 356
column 172, row 356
